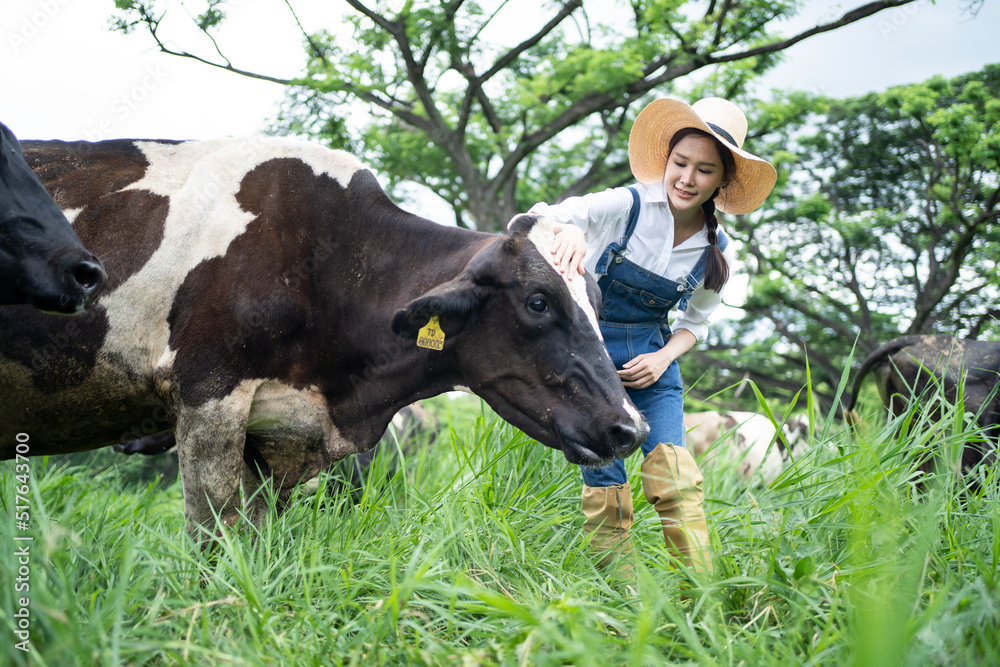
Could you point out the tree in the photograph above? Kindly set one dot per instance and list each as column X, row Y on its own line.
column 493, row 127
column 884, row 223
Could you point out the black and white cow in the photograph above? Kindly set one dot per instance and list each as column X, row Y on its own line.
column 42, row 262
column 746, row 440
column 272, row 306
column 919, row 366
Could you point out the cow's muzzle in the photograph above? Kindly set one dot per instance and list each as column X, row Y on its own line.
column 68, row 283
column 615, row 442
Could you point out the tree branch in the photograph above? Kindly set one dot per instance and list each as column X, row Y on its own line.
column 313, row 46
column 850, row 17
column 704, row 358
column 379, row 20
column 568, row 8
column 153, row 25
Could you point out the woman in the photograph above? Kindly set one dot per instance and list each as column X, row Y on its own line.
column 654, row 247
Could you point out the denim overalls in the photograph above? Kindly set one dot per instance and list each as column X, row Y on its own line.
column 636, row 303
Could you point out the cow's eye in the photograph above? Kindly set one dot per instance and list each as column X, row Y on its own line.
column 538, row 305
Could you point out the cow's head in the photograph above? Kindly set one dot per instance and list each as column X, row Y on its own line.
column 42, row 262
column 527, row 341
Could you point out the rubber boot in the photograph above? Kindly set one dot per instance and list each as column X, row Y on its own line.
column 671, row 483
column 609, row 516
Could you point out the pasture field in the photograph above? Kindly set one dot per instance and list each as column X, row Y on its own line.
column 473, row 554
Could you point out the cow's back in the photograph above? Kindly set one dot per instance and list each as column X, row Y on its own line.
column 153, row 211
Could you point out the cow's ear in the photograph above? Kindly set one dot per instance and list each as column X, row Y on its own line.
column 521, row 224
column 456, row 303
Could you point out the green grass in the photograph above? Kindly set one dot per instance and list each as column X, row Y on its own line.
column 473, row 554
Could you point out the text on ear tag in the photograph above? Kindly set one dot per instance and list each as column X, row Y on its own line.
column 431, row 336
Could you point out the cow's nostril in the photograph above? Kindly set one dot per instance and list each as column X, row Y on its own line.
column 624, row 437
column 89, row 276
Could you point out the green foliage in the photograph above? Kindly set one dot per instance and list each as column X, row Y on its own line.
column 473, row 554
column 212, row 16
column 884, row 222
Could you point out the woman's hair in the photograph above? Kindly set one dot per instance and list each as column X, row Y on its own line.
column 717, row 270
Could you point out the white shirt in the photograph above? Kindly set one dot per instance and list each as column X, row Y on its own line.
column 603, row 217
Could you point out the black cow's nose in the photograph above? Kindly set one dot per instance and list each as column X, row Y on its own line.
column 89, row 276
column 626, row 438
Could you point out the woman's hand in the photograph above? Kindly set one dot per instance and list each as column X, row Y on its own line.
column 645, row 369
column 569, row 249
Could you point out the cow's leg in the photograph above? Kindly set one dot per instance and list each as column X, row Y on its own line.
column 210, row 441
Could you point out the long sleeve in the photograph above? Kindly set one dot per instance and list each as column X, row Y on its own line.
column 703, row 304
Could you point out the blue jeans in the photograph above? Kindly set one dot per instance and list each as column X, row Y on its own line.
column 662, row 403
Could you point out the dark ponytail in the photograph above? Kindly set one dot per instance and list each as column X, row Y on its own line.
column 717, row 269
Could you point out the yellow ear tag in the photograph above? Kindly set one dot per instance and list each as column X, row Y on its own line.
column 431, row 336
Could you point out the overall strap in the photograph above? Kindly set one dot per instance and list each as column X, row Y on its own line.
column 698, row 272
column 633, row 217
column 619, row 249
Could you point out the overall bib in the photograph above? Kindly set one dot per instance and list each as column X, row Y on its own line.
column 633, row 321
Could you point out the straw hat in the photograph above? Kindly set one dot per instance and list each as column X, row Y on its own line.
column 649, row 142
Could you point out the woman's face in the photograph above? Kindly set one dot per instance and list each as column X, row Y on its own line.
column 694, row 171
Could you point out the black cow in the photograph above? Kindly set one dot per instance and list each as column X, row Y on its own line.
column 273, row 307
column 42, row 262
column 914, row 366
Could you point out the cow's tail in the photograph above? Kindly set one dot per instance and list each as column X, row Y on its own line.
column 876, row 358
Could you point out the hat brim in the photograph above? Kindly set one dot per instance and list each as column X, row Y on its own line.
column 649, row 145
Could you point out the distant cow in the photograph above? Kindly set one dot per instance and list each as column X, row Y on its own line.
column 42, row 262
column 904, row 368
column 273, row 307
column 755, row 444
